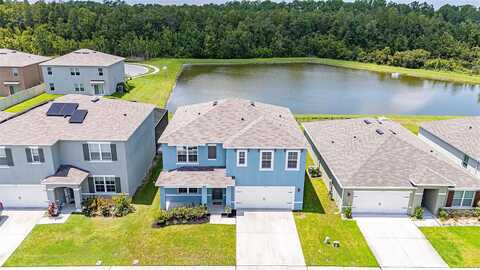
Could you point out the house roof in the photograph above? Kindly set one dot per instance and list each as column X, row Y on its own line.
column 86, row 58
column 66, row 175
column 359, row 156
column 12, row 58
column 237, row 123
column 195, row 177
column 5, row 115
column 107, row 120
column 461, row 133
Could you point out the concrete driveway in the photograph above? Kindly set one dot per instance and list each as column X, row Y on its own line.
column 268, row 238
column 397, row 242
column 15, row 225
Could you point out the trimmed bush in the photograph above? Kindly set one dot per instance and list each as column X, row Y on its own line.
column 122, row 206
column 119, row 206
column 418, row 213
column 182, row 215
column 348, row 212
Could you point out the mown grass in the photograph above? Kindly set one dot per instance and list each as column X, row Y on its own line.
column 120, row 241
column 31, row 103
column 458, row 246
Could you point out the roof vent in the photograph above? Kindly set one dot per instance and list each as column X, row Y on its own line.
column 280, row 115
column 431, row 151
column 333, row 141
column 125, row 114
column 393, row 132
column 199, row 113
column 366, row 121
column 252, row 103
column 379, row 131
column 215, row 103
column 470, row 127
column 243, row 119
column 95, row 100
column 354, row 137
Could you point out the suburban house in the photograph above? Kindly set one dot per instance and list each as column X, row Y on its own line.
column 73, row 147
column 84, row 72
column 19, row 71
column 235, row 153
column 458, row 139
column 379, row 167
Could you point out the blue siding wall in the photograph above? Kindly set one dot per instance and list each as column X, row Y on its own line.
column 252, row 176
column 170, row 157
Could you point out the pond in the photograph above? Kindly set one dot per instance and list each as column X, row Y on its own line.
column 314, row 88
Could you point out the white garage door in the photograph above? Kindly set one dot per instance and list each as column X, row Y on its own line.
column 381, row 202
column 23, row 196
column 264, row 197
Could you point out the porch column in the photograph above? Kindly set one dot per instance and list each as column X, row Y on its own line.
column 163, row 199
column 51, row 194
column 204, row 195
column 78, row 198
column 228, row 197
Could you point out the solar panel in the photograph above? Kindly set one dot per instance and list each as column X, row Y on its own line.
column 55, row 109
column 78, row 116
column 69, row 109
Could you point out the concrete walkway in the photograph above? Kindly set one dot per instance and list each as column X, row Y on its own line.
column 15, row 225
column 268, row 238
column 397, row 243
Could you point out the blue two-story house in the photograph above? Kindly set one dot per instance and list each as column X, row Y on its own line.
column 233, row 152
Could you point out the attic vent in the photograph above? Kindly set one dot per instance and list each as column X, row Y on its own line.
column 280, row 115
column 366, row 121
column 333, row 141
column 470, row 127
column 393, row 132
column 431, row 151
column 243, row 119
column 95, row 100
column 379, row 131
column 252, row 103
column 215, row 103
column 354, row 137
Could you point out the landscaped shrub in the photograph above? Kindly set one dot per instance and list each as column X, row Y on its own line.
column 348, row 212
column 442, row 214
column 182, row 215
column 314, row 171
column 122, row 206
column 418, row 213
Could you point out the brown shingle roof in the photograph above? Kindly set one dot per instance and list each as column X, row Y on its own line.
column 84, row 57
column 360, row 157
column 107, row 120
column 12, row 58
column 5, row 115
column 461, row 133
column 66, row 175
column 237, row 123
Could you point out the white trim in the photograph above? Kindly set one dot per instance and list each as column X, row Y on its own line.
column 271, row 163
column 32, row 156
column 208, row 145
column 463, row 199
column 297, row 168
column 99, row 144
column 246, row 158
column 187, row 155
column 104, row 184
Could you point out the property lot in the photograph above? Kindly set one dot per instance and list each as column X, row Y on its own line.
column 268, row 238
column 397, row 242
column 120, row 241
column 458, row 246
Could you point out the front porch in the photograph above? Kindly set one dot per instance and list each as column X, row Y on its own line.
column 196, row 186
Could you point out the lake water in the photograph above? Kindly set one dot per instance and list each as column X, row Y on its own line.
column 313, row 88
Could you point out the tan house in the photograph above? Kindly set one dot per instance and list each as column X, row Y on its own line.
column 19, row 71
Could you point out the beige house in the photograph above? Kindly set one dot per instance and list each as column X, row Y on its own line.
column 19, row 71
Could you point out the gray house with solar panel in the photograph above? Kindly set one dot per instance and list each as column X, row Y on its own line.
column 74, row 147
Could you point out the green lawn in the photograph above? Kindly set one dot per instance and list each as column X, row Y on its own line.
column 31, row 102
column 458, row 246
column 320, row 218
column 411, row 122
column 119, row 241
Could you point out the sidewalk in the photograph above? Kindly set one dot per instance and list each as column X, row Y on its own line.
column 218, row 268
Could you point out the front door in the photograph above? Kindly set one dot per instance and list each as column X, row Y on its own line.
column 98, row 89
column 217, row 196
column 13, row 89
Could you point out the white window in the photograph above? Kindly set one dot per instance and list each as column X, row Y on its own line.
column 100, row 151
column 266, row 160
column 52, row 87
column 75, row 71
column 77, row 88
column 187, row 154
column 82, row 89
column 35, row 154
column 292, row 160
column 49, row 70
column 463, row 198
column 15, row 72
column 212, row 151
column 105, row 184
column 465, row 161
column 182, row 191
column 188, row 191
column 242, row 158
column 3, row 157
column 100, row 71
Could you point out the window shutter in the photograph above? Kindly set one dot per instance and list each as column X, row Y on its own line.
column 42, row 156
column 8, row 151
column 86, row 154
column 91, row 185
column 28, row 152
column 449, row 199
column 118, row 185
column 113, row 148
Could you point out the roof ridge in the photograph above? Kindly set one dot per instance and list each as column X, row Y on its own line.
column 245, row 129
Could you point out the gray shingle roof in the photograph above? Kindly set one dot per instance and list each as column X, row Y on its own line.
column 360, row 157
column 85, row 57
column 236, row 123
column 195, row 177
column 12, row 58
column 461, row 133
column 107, row 120
column 67, row 175
column 5, row 115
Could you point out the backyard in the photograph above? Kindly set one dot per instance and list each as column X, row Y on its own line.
column 458, row 246
column 320, row 218
column 120, row 241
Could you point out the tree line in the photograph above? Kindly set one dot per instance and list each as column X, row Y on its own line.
column 411, row 35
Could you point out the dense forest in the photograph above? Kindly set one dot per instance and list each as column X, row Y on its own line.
column 414, row 35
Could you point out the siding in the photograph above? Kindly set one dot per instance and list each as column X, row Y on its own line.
column 169, row 154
